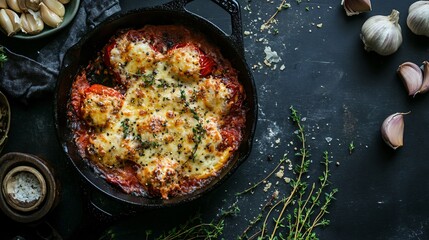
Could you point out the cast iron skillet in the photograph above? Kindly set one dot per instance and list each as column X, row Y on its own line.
column 171, row 13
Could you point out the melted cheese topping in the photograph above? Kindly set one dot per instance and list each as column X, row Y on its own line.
column 185, row 63
column 99, row 109
column 170, row 121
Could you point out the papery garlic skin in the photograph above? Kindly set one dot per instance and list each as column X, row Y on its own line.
column 411, row 76
column 355, row 7
column 418, row 18
column 425, row 85
column 382, row 34
column 392, row 130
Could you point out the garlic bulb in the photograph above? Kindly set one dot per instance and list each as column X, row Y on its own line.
column 9, row 21
column 411, row 76
column 392, row 130
column 354, row 7
column 418, row 18
column 382, row 34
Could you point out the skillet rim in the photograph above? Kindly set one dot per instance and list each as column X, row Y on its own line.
column 73, row 57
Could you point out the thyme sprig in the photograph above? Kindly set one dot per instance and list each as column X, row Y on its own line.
column 190, row 230
column 283, row 5
column 303, row 209
column 193, row 228
column 198, row 131
column 313, row 203
column 300, row 170
column 265, row 179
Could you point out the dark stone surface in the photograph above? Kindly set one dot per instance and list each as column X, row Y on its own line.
column 343, row 92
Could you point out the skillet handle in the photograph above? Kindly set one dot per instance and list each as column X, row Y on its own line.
column 230, row 6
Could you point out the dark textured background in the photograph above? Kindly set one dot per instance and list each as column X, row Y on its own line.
column 343, row 92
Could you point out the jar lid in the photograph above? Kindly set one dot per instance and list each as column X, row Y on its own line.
column 29, row 189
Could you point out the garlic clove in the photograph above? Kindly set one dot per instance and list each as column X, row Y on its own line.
column 9, row 21
column 13, row 4
column 49, row 17
column 411, row 76
column 382, row 34
column 418, row 18
column 354, row 7
column 31, row 23
column 25, row 25
column 22, row 5
column 33, row 4
column 55, row 6
column 392, row 130
column 5, row 22
column 14, row 18
column 3, row 4
column 425, row 85
column 64, row 1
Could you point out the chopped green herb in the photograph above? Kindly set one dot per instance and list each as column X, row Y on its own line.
column 182, row 94
column 149, row 80
column 351, row 147
column 126, row 127
column 146, row 144
column 3, row 57
column 198, row 132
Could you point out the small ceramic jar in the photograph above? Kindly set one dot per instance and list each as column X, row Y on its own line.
column 29, row 189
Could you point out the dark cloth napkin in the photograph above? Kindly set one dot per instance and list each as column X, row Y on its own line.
column 24, row 78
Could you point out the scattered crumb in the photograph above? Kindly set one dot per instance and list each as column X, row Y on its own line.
column 267, row 186
column 280, row 173
column 270, row 56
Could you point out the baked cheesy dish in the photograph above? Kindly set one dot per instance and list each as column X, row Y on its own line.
column 159, row 111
